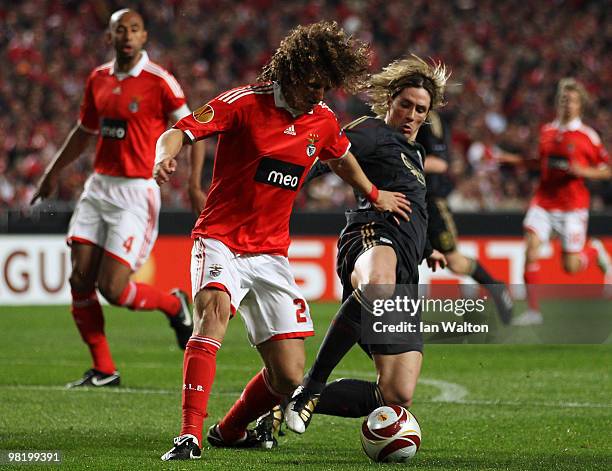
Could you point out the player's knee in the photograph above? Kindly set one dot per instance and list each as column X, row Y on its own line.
column 111, row 289
column 396, row 394
column 571, row 264
column 286, row 378
column 81, row 282
column 379, row 285
column 532, row 248
column 381, row 277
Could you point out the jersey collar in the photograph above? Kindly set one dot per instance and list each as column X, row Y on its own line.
column 134, row 71
column 573, row 125
column 280, row 102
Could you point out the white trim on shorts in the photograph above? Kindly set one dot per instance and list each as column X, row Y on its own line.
column 570, row 226
column 260, row 286
column 119, row 215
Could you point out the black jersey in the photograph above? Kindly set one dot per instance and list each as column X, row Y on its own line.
column 387, row 158
column 392, row 163
column 433, row 136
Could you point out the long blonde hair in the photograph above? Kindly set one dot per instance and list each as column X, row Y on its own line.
column 411, row 72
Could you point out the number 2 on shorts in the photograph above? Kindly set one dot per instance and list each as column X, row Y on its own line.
column 299, row 313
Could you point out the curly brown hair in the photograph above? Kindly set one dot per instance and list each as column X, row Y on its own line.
column 411, row 72
column 319, row 51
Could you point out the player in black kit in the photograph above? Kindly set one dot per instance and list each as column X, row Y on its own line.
column 378, row 251
column 441, row 229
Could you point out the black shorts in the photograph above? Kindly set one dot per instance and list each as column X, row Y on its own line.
column 441, row 230
column 367, row 229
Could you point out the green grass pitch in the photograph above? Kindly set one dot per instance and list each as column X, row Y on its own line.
column 480, row 406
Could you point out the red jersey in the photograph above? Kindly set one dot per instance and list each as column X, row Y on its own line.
column 560, row 147
column 263, row 154
column 129, row 111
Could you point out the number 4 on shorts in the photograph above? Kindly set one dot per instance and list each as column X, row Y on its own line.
column 127, row 245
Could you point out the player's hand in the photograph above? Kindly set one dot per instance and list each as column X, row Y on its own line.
column 46, row 186
column 197, row 198
column 395, row 202
column 436, row 260
column 163, row 169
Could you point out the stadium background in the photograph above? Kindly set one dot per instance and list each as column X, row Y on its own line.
column 506, row 58
column 481, row 406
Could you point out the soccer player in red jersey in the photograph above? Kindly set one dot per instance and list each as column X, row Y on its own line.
column 127, row 104
column 570, row 152
column 270, row 134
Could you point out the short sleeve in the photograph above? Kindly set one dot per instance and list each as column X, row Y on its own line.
column 602, row 157
column 172, row 95
column 339, row 144
column 214, row 117
column 363, row 142
column 88, row 117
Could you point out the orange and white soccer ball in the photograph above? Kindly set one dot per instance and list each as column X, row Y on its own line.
column 390, row 434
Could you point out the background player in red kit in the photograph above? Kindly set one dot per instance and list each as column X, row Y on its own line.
column 569, row 152
column 270, row 134
column 127, row 103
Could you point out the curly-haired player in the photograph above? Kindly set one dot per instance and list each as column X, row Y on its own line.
column 270, row 134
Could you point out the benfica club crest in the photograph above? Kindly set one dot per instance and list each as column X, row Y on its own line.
column 215, row 270
column 134, row 104
column 311, row 148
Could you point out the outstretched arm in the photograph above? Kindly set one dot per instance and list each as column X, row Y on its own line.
column 602, row 172
column 434, row 164
column 349, row 170
column 71, row 149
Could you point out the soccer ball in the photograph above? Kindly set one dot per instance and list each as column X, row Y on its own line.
column 390, row 434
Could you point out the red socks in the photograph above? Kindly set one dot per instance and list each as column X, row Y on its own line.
column 532, row 278
column 199, row 366
column 87, row 314
column 257, row 398
column 141, row 297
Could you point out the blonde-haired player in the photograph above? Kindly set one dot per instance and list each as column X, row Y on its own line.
column 569, row 152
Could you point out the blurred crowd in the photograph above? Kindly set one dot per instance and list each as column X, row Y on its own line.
column 506, row 58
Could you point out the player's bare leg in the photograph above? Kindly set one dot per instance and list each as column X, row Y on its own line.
column 373, row 277
column 115, row 285
column 284, row 360
column 572, row 262
column 211, row 316
column 85, row 260
column 593, row 253
column 397, row 376
column 532, row 315
column 458, row 263
column 283, row 371
column 376, row 270
column 604, row 262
